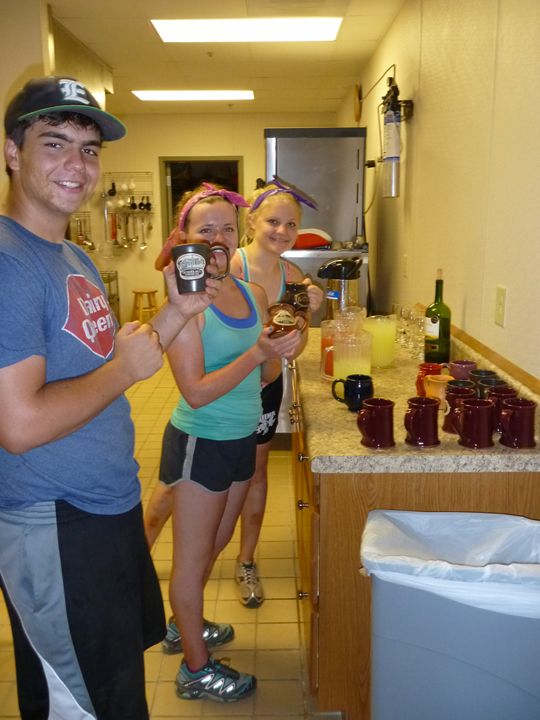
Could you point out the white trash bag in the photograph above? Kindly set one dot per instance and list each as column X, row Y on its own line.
column 489, row 561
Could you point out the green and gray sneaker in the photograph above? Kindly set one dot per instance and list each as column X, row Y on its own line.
column 216, row 681
column 214, row 635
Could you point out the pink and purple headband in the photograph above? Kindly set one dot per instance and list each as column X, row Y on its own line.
column 280, row 188
column 234, row 198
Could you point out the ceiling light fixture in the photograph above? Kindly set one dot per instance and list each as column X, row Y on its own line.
column 321, row 29
column 175, row 95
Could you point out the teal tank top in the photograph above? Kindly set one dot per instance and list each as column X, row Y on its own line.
column 236, row 414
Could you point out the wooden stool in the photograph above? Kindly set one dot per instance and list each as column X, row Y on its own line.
column 139, row 308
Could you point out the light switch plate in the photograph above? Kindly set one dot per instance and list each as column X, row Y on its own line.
column 500, row 305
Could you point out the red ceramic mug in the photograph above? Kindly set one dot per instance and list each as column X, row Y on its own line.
column 498, row 393
column 461, row 369
column 427, row 369
column 421, row 422
column 376, row 423
column 454, row 395
column 517, row 423
column 474, row 421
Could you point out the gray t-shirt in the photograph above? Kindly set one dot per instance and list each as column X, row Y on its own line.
column 57, row 308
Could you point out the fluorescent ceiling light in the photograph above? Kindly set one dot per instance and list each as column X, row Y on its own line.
column 194, row 94
column 249, row 30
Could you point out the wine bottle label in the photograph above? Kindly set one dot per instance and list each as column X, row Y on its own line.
column 432, row 328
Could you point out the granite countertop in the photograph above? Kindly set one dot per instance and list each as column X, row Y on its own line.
column 333, row 439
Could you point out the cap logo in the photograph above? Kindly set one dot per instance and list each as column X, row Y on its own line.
column 73, row 91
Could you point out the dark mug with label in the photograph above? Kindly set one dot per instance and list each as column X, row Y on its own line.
column 356, row 389
column 296, row 295
column 190, row 263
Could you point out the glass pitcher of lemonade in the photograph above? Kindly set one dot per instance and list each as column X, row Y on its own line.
column 352, row 354
column 383, row 330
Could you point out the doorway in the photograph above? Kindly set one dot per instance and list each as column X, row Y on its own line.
column 180, row 175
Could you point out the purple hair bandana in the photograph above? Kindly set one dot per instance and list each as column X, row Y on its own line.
column 277, row 191
column 234, row 198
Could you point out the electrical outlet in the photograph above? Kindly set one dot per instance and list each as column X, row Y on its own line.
column 500, row 305
column 405, row 266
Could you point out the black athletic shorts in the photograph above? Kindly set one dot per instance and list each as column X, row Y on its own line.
column 271, row 396
column 84, row 603
column 214, row 464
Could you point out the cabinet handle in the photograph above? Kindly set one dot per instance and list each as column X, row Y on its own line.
column 302, row 595
column 294, row 420
column 291, row 365
column 291, row 412
column 296, row 405
column 301, row 457
column 302, row 505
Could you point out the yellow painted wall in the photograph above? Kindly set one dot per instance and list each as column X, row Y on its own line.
column 469, row 197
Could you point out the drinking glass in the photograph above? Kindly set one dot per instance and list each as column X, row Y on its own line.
column 405, row 319
column 417, row 334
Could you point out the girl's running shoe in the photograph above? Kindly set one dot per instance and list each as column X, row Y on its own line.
column 214, row 634
column 216, row 681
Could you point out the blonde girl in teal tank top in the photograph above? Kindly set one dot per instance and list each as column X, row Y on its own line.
column 208, row 452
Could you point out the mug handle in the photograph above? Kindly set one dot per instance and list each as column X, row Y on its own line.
column 304, row 317
column 506, row 417
column 334, row 385
column 420, row 384
column 409, row 420
column 362, row 420
column 219, row 248
column 457, row 421
column 445, row 366
column 323, row 362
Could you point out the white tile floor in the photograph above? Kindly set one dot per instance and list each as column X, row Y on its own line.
column 267, row 640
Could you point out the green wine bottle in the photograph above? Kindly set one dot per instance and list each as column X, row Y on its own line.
column 437, row 327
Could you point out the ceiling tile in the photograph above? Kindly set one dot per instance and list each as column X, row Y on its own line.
column 127, row 30
column 374, row 7
column 292, row 52
column 199, row 52
column 296, row 8
column 364, row 27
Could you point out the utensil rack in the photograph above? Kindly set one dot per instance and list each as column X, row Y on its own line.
column 139, row 185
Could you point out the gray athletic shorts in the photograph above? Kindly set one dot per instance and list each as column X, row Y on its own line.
column 214, row 464
column 84, row 603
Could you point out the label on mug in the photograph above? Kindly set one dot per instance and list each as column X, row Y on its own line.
column 283, row 317
column 191, row 266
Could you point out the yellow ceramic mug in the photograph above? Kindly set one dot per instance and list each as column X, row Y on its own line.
column 435, row 387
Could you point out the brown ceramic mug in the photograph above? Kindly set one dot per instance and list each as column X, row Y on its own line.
column 421, row 422
column 474, row 421
column 295, row 294
column 376, row 423
column 284, row 319
column 498, row 393
column 517, row 423
column 454, row 395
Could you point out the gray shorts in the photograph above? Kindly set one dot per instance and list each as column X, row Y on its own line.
column 214, row 464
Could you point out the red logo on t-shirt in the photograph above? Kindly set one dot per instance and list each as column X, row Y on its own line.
column 89, row 318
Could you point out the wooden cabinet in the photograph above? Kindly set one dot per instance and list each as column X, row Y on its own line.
column 307, row 534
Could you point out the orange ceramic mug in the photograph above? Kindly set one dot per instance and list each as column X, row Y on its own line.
column 427, row 369
column 435, row 387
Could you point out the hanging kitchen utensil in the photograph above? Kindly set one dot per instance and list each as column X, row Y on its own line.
column 143, row 242
column 112, row 190
column 122, row 232
column 133, row 238
column 90, row 247
column 148, row 204
column 131, row 185
column 124, row 187
column 133, row 205
column 106, row 249
column 80, row 236
column 141, row 204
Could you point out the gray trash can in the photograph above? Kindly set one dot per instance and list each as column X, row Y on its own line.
column 455, row 615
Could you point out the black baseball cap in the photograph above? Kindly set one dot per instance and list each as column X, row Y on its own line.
column 60, row 94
